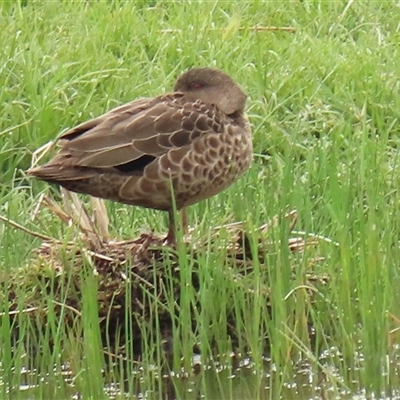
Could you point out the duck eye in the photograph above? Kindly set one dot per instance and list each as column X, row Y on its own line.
column 196, row 86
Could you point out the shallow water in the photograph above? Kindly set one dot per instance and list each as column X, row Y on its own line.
column 240, row 379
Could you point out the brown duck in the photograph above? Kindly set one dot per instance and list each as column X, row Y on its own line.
column 190, row 144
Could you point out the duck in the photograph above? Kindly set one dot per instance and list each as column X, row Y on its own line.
column 163, row 153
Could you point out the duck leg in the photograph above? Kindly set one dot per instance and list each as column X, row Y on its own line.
column 182, row 223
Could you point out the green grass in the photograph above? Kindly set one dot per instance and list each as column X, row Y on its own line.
column 324, row 104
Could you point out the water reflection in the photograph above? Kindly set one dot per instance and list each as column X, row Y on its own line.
column 237, row 379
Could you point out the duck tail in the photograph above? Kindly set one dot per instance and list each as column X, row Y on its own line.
column 57, row 173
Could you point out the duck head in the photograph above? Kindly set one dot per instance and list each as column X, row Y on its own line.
column 212, row 86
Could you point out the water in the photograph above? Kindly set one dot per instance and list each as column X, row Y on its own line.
column 238, row 379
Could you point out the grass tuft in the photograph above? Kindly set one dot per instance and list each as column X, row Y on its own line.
column 323, row 102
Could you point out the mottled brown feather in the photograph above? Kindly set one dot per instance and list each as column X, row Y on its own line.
column 196, row 139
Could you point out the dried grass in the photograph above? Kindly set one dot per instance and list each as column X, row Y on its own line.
column 137, row 266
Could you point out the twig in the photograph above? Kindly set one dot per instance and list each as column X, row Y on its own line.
column 37, row 208
column 344, row 12
column 119, row 357
column 307, row 287
column 269, row 28
column 291, row 215
column 78, row 212
column 26, row 230
column 341, row 16
column 56, row 209
column 74, row 310
column 15, row 312
column 252, row 28
column 40, row 153
column 317, row 237
column 101, row 217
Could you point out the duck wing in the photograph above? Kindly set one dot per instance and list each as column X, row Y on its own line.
column 133, row 135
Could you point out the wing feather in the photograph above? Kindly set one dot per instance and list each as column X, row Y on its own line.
column 143, row 129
